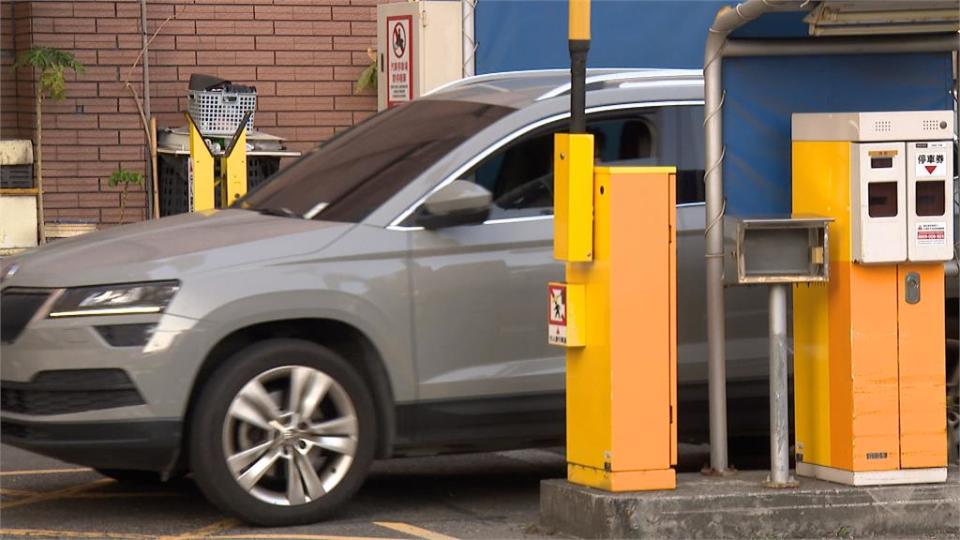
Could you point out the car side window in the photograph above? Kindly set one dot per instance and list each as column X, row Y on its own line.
column 520, row 175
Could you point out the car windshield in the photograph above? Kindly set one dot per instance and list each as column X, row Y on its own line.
column 351, row 175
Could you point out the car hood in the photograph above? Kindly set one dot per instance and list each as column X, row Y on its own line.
column 170, row 248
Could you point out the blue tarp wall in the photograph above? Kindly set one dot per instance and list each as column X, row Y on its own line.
column 532, row 34
column 761, row 92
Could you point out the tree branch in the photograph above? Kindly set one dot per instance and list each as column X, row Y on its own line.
column 126, row 81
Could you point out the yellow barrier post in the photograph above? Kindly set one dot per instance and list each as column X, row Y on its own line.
column 616, row 311
column 200, row 177
column 204, row 184
column 234, row 167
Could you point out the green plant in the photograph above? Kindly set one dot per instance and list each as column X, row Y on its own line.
column 52, row 64
column 124, row 178
column 368, row 77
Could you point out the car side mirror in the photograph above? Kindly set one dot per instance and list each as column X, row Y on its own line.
column 460, row 202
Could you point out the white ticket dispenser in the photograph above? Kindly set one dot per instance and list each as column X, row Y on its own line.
column 930, row 190
column 879, row 189
column 901, row 180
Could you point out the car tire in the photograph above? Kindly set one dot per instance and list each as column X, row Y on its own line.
column 132, row 477
column 283, row 433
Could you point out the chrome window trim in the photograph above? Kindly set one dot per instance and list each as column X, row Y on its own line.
column 550, row 216
column 395, row 224
column 690, row 83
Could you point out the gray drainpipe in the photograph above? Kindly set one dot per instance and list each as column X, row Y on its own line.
column 727, row 20
column 148, row 179
column 718, row 46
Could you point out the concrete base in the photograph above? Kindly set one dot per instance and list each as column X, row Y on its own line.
column 740, row 507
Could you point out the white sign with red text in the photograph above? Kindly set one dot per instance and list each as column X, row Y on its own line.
column 399, row 59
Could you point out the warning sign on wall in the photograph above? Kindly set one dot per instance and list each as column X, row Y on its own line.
column 399, row 59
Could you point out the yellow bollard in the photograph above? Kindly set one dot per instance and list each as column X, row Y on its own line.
column 200, row 175
column 618, row 322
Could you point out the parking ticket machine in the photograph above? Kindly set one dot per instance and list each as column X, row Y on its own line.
column 868, row 345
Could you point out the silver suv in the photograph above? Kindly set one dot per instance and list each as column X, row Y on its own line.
column 382, row 296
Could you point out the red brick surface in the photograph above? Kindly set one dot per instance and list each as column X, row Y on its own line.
column 302, row 55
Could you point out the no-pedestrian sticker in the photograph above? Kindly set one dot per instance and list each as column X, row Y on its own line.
column 557, row 317
column 399, row 59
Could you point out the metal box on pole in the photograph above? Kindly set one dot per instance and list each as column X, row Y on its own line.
column 777, row 252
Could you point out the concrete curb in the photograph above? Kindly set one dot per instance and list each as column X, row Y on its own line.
column 739, row 507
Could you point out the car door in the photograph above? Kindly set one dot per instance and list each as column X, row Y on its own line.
column 479, row 297
column 479, row 291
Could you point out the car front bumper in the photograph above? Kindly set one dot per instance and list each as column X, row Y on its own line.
column 69, row 394
column 152, row 445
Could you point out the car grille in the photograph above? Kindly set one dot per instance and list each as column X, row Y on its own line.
column 17, row 307
column 69, row 391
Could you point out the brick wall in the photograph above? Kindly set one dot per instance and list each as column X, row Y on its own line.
column 302, row 55
column 16, row 102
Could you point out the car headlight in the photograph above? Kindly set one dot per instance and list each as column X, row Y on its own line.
column 125, row 299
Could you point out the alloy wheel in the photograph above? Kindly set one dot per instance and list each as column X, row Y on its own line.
column 290, row 435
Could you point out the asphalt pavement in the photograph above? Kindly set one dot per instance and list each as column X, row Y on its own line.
column 491, row 495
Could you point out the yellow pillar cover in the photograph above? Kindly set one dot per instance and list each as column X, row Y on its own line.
column 621, row 387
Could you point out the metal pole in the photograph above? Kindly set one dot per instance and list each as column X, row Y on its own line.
column 726, row 21
column 579, row 42
column 779, row 390
column 716, row 322
column 839, row 45
column 468, row 7
column 148, row 184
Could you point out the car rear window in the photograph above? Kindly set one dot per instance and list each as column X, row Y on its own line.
column 351, row 175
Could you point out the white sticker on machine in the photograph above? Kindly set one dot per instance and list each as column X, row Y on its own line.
column 932, row 233
column 557, row 316
column 931, row 160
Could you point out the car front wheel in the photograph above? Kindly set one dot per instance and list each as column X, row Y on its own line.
column 283, row 433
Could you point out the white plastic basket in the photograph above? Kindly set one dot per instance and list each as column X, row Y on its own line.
column 220, row 113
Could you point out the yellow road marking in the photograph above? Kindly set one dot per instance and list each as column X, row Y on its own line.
column 45, row 471
column 204, row 532
column 413, row 530
column 294, row 537
column 57, row 494
column 45, row 533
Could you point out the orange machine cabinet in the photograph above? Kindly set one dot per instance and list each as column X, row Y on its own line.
column 868, row 346
column 621, row 385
